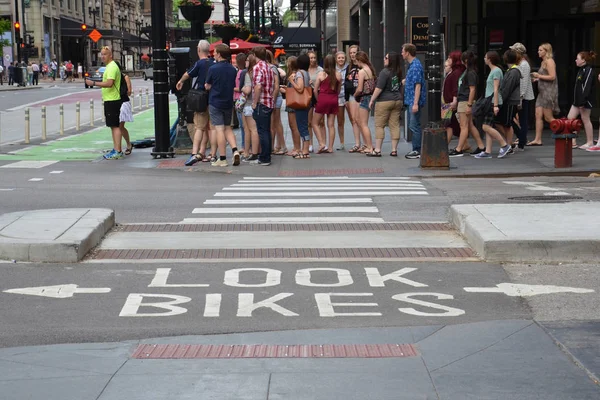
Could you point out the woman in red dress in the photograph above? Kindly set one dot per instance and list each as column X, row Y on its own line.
column 327, row 89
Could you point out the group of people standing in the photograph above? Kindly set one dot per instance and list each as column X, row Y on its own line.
column 503, row 110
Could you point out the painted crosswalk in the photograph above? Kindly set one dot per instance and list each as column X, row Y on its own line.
column 273, row 199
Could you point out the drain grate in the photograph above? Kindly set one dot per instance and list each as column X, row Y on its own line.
column 545, row 198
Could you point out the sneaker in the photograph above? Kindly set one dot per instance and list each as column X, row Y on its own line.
column 108, row 155
column 412, row 155
column 477, row 151
column 455, row 153
column 341, row 148
column 236, row 158
column 503, row 151
column 511, row 150
column 483, row 154
column 113, row 155
column 258, row 162
column 310, row 149
column 251, row 157
column 220, row 163
column 192, row 160
column 593, row 148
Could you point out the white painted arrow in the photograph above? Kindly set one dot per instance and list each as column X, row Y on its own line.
column 516, row 289
column 57, row 291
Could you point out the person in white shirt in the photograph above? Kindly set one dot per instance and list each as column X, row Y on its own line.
column 36, row 73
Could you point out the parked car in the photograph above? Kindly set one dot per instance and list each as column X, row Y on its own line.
column 95, row 74
column 148, row 73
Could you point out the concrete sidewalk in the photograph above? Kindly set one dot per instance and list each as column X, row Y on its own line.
column 488, row 360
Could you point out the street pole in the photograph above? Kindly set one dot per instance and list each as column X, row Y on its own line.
column 434, row 146
column 162, row 147
column 242, row 10
column 18, row 38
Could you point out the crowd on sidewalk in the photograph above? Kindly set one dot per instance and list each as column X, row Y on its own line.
column 316, row 97
column 31, row 72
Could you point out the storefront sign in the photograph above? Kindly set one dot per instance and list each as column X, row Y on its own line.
column 419, row 32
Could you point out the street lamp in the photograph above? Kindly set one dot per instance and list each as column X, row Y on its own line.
column 139, row 22
column 122, row 18
column 94, row 9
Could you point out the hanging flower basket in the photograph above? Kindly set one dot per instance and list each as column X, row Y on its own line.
column 243, row 34
column 200, row 13
column 227, row 32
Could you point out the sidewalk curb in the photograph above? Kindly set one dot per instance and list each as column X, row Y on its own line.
column 525, row 238
column 63, row 235
column 17, row 88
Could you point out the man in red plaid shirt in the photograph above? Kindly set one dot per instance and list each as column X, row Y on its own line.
column 262, row 104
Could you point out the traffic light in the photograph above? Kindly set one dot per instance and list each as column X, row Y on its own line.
column 272, row 34
column 83, row 27
column 17, row 30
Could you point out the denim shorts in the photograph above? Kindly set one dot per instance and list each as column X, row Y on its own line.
column 278, row 102
column 220, row 117
column 364, row 101
column 248, row 111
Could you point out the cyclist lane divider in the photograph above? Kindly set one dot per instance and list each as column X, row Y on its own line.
column 89, row 145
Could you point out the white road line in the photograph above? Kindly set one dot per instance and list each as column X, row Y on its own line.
column 56, row 172
column 284, row 210
column 36, row 179
column 29, row 164
column 7, row 190
column 282, row 220
column 323, row 178
column 322, row 194
column 290, row 201
column 321, row 182
column 557, row 194
column 276, row 189
column 333, row 185
column 21, row 107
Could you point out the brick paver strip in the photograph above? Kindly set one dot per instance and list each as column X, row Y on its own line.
column 328, row 172
column 387, row 226
column 187, row 351
column 293, row 253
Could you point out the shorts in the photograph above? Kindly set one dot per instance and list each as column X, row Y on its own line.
column 364, row 101
column 126, row 114
column 112, row 112
column 201, row 120
column 248, row 111
column 506, row 115
column 219, row 116
column 341, row 101
column 278, row 102
column 462, row 107
column 352, row 99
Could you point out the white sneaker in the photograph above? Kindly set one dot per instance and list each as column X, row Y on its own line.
column 310, row 149
column 220, row 163
column 236, row 158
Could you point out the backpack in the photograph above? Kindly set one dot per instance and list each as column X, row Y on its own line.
column 123, row 87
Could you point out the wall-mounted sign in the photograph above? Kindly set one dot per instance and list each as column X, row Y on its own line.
column 419, row 32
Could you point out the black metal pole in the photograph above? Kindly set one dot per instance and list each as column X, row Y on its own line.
column 18, row 38
column 263, row 17
column 162, row 147
column 256, row 14
column 434, row 67
column 226, row 7
column 252, row 26
column 242, row 11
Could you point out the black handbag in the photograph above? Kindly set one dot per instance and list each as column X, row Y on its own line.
column 197, row 100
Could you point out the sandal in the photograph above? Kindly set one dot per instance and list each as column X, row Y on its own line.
column 280, row 152
column 394, row 153
column 367, row 150
column 301, row 156
column 354, row 149
column 322, row 150
column 363, row 148
column 129, row 150
column 374, row 154
column 212, row 159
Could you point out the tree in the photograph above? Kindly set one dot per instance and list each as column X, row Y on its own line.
column 289, row 15
column 5, row 26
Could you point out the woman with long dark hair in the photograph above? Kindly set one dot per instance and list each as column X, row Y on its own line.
column 450, row 93
column 301, row 80
column 292, row 68
column 467, row 90
column 364, row 91
column 313, row 71
column 342, row 68
column 584, row 95
column 327, row 88
column 251, row 141
column 388, row 98
column 350, row 84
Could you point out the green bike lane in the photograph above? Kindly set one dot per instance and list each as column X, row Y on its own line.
column 90, row 145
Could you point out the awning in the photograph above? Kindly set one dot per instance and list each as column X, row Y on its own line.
column 70, row 28
column 239, row 46
column 317, row 4
column 298, row 38
column 135, row 41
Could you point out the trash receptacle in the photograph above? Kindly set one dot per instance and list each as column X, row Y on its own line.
column 23, row 81
column 18, row 75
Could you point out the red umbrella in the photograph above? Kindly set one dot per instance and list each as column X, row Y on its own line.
column 238, row 46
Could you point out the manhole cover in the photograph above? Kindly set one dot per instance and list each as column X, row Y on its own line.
column 545, row 198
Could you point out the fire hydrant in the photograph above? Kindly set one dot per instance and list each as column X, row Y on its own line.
column 564, row 131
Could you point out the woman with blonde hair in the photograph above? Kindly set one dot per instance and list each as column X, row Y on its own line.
column 546, row 104
column 364, row 91
column 350, row 84
column 342, row 68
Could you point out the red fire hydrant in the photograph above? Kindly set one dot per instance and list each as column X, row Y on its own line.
column 564, row 131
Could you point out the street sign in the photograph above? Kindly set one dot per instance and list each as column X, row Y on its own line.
column 95, row 35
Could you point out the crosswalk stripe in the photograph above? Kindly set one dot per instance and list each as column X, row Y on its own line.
column 323, row 194
column 290, row 201
column 29, row 164
column 328, row 178
column 275, row 189
column 303, row 185
column 284, row 210
column 284, row 220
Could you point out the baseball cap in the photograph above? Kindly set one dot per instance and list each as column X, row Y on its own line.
column 519, row 48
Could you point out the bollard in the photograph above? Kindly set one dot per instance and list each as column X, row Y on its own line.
column 91, row 112
column 102, row 116
column 27, row 125
column 434, row 149
column 43, row 122
column 77, row 116
column 147, row 98
column 62, row 119
column 140, row 99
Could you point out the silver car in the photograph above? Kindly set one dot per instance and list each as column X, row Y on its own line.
column 148, row 73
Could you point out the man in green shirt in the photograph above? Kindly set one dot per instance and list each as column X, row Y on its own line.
column 111, row 94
